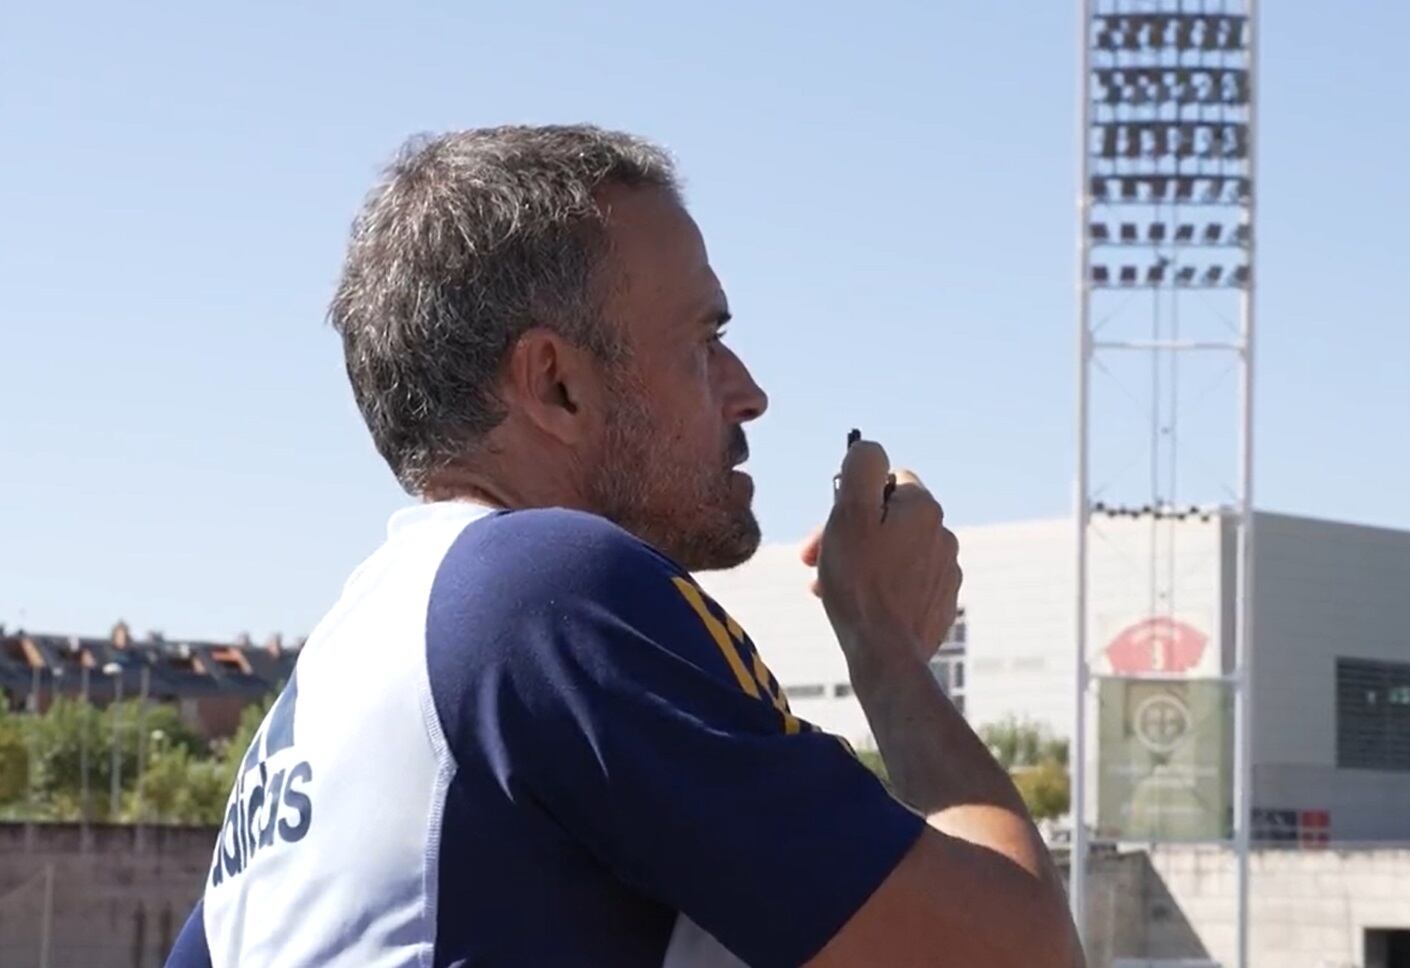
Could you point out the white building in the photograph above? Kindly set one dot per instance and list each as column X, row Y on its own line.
column 1331, row 645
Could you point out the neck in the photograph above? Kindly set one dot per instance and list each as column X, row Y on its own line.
column 499, row 483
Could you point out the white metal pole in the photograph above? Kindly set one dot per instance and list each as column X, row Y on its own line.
column 84, row 711
column 1077, row 881
column 46, row 927
column 115, row 800
column 32, row 777
column 1243, row 641
column 146, row 685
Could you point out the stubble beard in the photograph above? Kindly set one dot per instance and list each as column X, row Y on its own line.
column 686, row 509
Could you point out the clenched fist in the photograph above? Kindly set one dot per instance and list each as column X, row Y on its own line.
column 888, row 573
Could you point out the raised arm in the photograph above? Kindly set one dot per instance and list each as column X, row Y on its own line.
column 978, row 887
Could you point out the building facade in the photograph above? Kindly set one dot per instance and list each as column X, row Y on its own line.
column 1331, row 656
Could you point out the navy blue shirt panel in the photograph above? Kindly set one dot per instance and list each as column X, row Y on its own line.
column 190, row 949
column 623, row 754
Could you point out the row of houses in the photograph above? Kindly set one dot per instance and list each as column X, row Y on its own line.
column 210, row 682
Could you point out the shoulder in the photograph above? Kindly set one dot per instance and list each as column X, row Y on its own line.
column 555, row 553
column 552, row 618
column 557, row 594
column 556, row 582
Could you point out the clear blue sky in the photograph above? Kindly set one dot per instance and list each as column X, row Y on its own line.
column 887, row 189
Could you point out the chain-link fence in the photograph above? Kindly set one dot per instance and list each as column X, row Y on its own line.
column 98, row 896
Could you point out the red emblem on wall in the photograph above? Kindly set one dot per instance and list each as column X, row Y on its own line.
column 1157, row 645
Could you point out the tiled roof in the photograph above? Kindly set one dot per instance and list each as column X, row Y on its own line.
column 174, row 668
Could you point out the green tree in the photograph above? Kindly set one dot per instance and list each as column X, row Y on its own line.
column 185, row 779
column 179, row 787
column 183, row 784
column 71, row 732
column 232, row 752
column 14, row 760
column 1037, row 763
column 1045, row 788
column 59, row 740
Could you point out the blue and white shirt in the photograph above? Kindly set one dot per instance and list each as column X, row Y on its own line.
column 528, row 739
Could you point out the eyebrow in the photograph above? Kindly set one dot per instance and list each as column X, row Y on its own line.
column 716, row 316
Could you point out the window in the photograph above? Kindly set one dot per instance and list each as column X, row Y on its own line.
column 958, row 631
column 1373, row 715
column 948, row 670
column 811, row 691
column 842, row 690
column 940, row 669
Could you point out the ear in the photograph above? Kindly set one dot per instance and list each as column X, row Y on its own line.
column 554, row 385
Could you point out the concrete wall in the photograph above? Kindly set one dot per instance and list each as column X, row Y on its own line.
column 119, row 900
column 1310, row 908
column 116, row 902
column 1324, row 590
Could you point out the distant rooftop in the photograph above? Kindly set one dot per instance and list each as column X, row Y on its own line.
column 63, row 664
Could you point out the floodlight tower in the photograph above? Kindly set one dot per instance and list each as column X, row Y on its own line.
column 1166, row 273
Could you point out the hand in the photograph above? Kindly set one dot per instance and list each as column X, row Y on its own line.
column 890, row 578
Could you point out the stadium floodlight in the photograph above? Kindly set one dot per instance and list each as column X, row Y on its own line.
column 1167, row 123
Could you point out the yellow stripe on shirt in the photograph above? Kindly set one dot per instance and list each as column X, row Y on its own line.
column 720, row 634
column 770, row 685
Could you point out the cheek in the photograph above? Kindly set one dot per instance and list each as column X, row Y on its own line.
column 689, row 396
column 688, row 437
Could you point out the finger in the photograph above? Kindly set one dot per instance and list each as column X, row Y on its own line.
column 918, row 504
column 812, row 547
column 863, row 476
column 906, row 476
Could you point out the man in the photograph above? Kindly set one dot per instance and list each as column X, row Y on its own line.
column 524, row 736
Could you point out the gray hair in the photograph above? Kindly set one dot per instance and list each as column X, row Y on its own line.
column 470, row 239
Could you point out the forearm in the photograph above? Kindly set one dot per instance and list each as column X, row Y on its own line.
column 939, row 766
column 980, row 882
